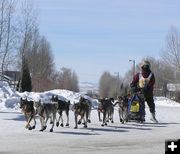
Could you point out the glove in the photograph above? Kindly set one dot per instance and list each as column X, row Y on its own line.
column 145, row 89
column 134, row 90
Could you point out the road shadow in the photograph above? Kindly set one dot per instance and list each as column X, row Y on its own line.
column 108, row 129
column 130, row 127
column 168, row 123
column 147, row 125
column 152, row 125
column 77, row 133
column 93, row 131
column 144, row 126
column 10, row 112
column 18, row 118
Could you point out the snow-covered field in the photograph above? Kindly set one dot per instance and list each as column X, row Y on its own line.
column 118, row 138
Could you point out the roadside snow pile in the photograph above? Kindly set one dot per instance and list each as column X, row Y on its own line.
column 73, row 97
column 9, row 98
column 64, row 95
column 163, row 101
column 5, row 90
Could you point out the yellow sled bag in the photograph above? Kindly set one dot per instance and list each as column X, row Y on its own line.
column 135, row 106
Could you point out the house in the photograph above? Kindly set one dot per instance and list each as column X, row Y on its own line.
column 15, row 75
column 12, row 77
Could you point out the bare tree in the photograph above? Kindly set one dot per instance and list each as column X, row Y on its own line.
column 104, row 84
column 35, row 48
column 7, row 32
column 28, row 27
column 41, row 65
column 108, row 85
column 68, row 80
column 171, row 53
column 75, row 82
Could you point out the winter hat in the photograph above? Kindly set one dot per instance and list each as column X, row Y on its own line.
column 145, row 63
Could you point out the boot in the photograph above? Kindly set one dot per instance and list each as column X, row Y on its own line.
column 153, row 118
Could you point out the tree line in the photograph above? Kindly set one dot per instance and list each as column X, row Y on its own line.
column 23, row 48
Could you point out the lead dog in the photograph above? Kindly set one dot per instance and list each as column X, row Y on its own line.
column 29, row 112
column 46, row 111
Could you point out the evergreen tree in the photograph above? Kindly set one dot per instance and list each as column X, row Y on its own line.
column 26, row 84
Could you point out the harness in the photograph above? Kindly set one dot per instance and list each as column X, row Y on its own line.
column 40, row 109
column 144, row 81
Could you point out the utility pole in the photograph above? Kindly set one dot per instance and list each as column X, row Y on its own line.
column 134, row 66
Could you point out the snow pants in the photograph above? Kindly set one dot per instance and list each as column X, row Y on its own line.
column 150, row 101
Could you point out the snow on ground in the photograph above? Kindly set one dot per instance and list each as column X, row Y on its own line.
column 162, row 101
column 128, row 138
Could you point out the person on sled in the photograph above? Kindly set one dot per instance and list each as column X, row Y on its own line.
column 144, row 81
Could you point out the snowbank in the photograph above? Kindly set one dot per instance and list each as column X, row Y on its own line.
column 163, row 101
column 9, row 98
column 6, row 91
column 64, row 95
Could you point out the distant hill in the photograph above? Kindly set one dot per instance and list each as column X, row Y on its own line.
column 88, row 86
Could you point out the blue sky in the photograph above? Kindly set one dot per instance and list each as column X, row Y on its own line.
column 93, row 36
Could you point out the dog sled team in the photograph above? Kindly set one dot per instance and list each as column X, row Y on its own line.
column 130, row 107
column 49, row 111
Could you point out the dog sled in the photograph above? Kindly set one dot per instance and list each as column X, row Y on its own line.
column 136, row 108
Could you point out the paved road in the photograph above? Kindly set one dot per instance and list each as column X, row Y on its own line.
column 115, row 138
